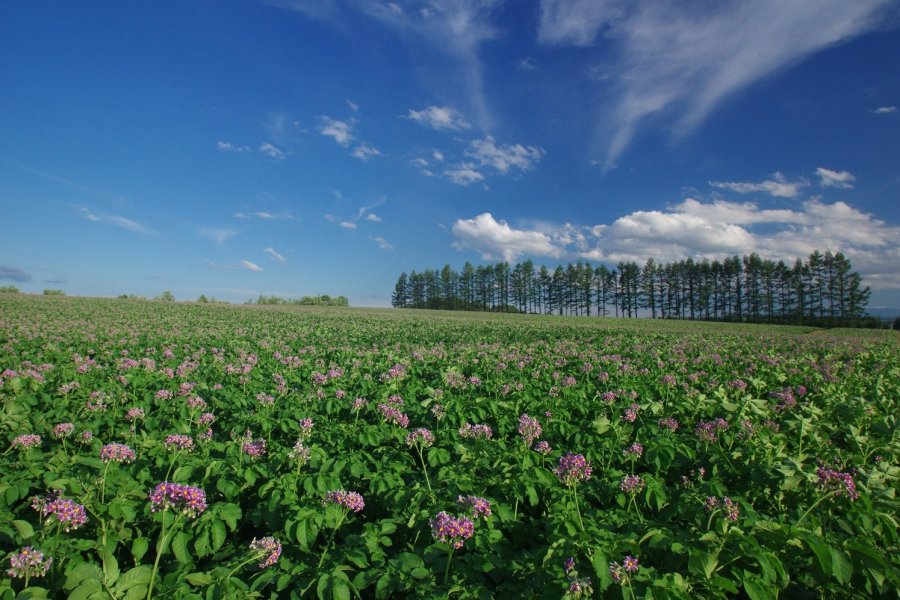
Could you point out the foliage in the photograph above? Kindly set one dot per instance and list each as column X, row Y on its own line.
column 236, row 452
column 8, row 289
column 48, row 292
column 322, row 300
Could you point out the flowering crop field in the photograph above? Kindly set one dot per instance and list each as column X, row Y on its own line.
column 194, row 451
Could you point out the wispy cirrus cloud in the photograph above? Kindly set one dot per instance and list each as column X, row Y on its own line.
column 779, row 186
column 439, row 117
column 664, row 65
column 115, row 220
column 884, row 110
column 250, row 266
column 365, row 151
column 382, row 243
column 276, row 256
column 265, row 215
column 219, row 235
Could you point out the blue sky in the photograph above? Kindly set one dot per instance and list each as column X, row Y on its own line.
column 304, row 147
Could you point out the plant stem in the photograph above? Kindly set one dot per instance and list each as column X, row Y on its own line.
column 424, row 468
column 810, row 509
column 447, row 569
column 160, row 548
column 330, row 539
column 577, row 508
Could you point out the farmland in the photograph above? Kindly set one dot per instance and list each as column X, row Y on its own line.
column 197, row 451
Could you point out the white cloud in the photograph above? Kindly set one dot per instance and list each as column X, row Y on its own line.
column 218, row 235
column 695, row 229
column 348, row 224
column 373, row 217
column 265, row 215
column 437, row 155
column 366, row 151
column 503, row 158
column 677, row 61
column 229, row 147
column 463, row 174
column 526, row 64
column 836, row 179
column 382, row 243
column 353, row 106
column 115, row 220
column 246, row 264
column 340, row 131
column 779, row 186
column 884, row 110
column 439, row 117
column 270, row 150
column 496, row 239
column 275, row 255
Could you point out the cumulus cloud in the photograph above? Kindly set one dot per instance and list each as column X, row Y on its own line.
column 348, row 224
column 382, row 243
column 779, row 186
column 486, row 152
column 496, row 239
column 373, row 217
column 246, row 264
column 270, row 150
column 276, row 256
column 439, row 117
column 677, row 61
column 14, row 274
column 340, row 131
column 884, row 110
column 836, row 179
column 366, row 151
column 229, row 147
column 463, row 174
column 697, row 229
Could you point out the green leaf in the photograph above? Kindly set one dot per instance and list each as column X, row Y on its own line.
column 385, row 586
column 179, row 547
column 24, row 528
column 198, row 579
column 86, row 589
column 420, row 573
column 218, row 534
column 139, row 575
column 840, row 566
column 755, row 591
column 139, row 548
column 110, row 568
column 340, row 591
column 33, row 593
column 83, row 572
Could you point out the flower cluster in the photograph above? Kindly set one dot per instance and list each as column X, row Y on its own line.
column 420, row 437
column 206, row 418
column 573, row 468
column 837, row 481
column 669, row 423
column 179, row 441
column 69, row 514
column 621, row 574
column 253, row 447
column 393, row 415
column 438, row 411
column 306, row 427
column 350, row 500
column 267, row 547
column 708, row 431
column 265, row 399
column 542, row 447
column 631, row 484
column 634, row 451
column 299, row 453
column 134, row 414
column 737, row 384
column 196, row 403
column 28, row 563
column 63, row 430
column 452, row 530
column 731, row 508
column 578, row 586
column 529, row 429
column 480, row 507
column 189, row 500
column 359, row 404
column 116, row 453
column 26, row 440
column 631, row 413
column 476, row 431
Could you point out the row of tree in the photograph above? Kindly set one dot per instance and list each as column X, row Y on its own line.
column 321, row 300
column 820, row 290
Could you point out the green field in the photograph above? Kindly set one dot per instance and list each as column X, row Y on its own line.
column 616, row 458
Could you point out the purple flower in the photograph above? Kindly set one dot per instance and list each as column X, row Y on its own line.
column 839, row 482
column 573, row 468
column 438, row 411
column 393, row 415
column 350, row 500
column 206, row 418
column 480, row 507
column 451, row 530
column 669, row 423
column 69, row 514
column 476, row 431
column 134, row 414
column 633, row 451
column 63, row 430
column 529, row 429
column 267, row 547
column 26, row 440
column 569, row 564
column 630, row 564
column 28, row 563
column 189, row 500
column 631, row 484
column 178, row 441
column 116, row 453
column 420, row 437
column 631, row 413
column 542, row 447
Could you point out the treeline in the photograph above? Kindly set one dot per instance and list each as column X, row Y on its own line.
column 823, row 290
column 323, row 300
